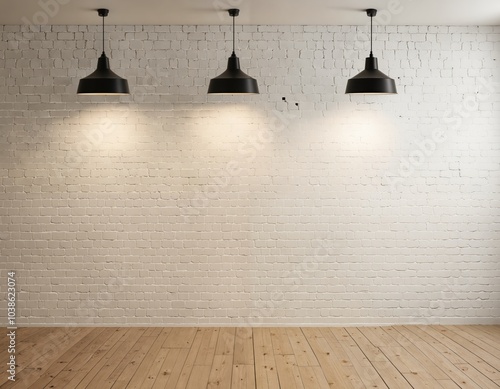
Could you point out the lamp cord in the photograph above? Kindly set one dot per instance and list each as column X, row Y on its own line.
column 233, row 34
column 103, row 34
column 371, row 36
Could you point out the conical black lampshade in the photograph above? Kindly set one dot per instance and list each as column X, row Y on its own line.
column 103, row 81
column 233, row 80
column 371, row 80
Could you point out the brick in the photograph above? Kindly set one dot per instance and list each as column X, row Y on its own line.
column 171, row 207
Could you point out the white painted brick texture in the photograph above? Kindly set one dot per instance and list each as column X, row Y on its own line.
column 171, row 207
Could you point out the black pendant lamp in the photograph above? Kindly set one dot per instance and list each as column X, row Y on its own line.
column 233, row 80
column 371, row 80
column 103, row 81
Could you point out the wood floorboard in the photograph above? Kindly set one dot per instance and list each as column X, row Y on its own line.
column 171, row 369
column 366, row 371
column 40, row 349
column 392, row 357
column 140, row 377
column 481, row 333
column 135, row 366
column 441, row 360
column 99, row 354
column 332, row 367
column 65, row 359
column 266, row 374
column 39, row 358
column 221, row 372
column 243, row 347
column 130, row 347
column 473, row 355
column 185, row 375
column 472, row 343
column 345, row 365
column 243, row 377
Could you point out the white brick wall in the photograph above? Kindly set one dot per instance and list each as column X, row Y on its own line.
column 171, row 207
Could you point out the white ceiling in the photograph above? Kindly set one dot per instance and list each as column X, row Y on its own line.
column 284, row 12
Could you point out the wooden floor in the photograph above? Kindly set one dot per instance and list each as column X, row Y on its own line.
column 396, row 357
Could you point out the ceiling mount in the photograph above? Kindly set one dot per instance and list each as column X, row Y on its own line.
column 103, row 12
column 371, row 12
column 233, row 12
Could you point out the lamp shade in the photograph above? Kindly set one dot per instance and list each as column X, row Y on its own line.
column 103, row 81
column 371, row 80
column 233, row 80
